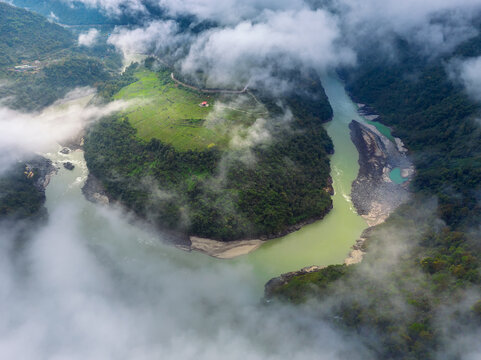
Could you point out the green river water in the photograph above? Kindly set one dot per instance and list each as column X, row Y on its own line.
column 322, row 243
column 96, row 283
column 327, row 241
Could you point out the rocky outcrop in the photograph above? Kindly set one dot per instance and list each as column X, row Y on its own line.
column 275, row 283
column 374, row 195
column 44, row 169
column 94, row 191
column 358, row 249
column 329, row 188
column 68, row 165
column 367, row 112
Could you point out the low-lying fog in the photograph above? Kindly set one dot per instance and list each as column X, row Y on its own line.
column 92, row 285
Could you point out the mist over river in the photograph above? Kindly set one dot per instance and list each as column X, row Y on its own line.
column 98, row 284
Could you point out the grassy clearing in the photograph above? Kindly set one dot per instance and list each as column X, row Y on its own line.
column 171, row 113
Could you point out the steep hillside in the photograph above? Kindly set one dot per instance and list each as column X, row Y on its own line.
column 70, row 14
column 237, row 169
column 40, row 61
column 425, row 260
column 22, row 189
column 28, row 36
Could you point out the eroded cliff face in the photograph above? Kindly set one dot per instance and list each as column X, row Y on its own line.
column 374, row 195
column 43, row 169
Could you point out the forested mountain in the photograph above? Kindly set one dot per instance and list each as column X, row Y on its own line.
column 39, row 63
column 64, row 13
column 28, row 36
column 436, row 118
column 427, row 256
column 41, row 60
column 22, row 189
column 244, row 161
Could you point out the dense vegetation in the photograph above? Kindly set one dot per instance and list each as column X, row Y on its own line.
column 55, row 64
column 35, row 91
column 436, row 120
column 113, row 85
column 402, row 302
column 28, row 36
column 20, row 195
column 236, row 193
column 74, row 13
column 301, row 287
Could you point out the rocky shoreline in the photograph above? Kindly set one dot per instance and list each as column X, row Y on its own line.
column 374, row 195
column 231, row 249
column 94, row 191
column 283, row 279
column 44, row 169
column 358, row 249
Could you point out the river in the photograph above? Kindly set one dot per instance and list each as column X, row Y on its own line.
column 328, row 241
column 322, row 243
column 94, row 283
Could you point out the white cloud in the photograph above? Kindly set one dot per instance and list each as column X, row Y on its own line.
column 468, row 73
column 23, row 133
column 53, row 17
column 88, row 38
column 113, row 7
column 155, row 36
column 90, row 285
column 290, row 38
column 375, row 15
column 255, row 134
column 225, row 12
column 229, row 11
column 416, row 21
column 255, row 33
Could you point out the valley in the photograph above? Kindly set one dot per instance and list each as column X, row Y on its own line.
column 243, row 180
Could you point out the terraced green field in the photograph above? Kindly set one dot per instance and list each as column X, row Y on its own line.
column 171, row 113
